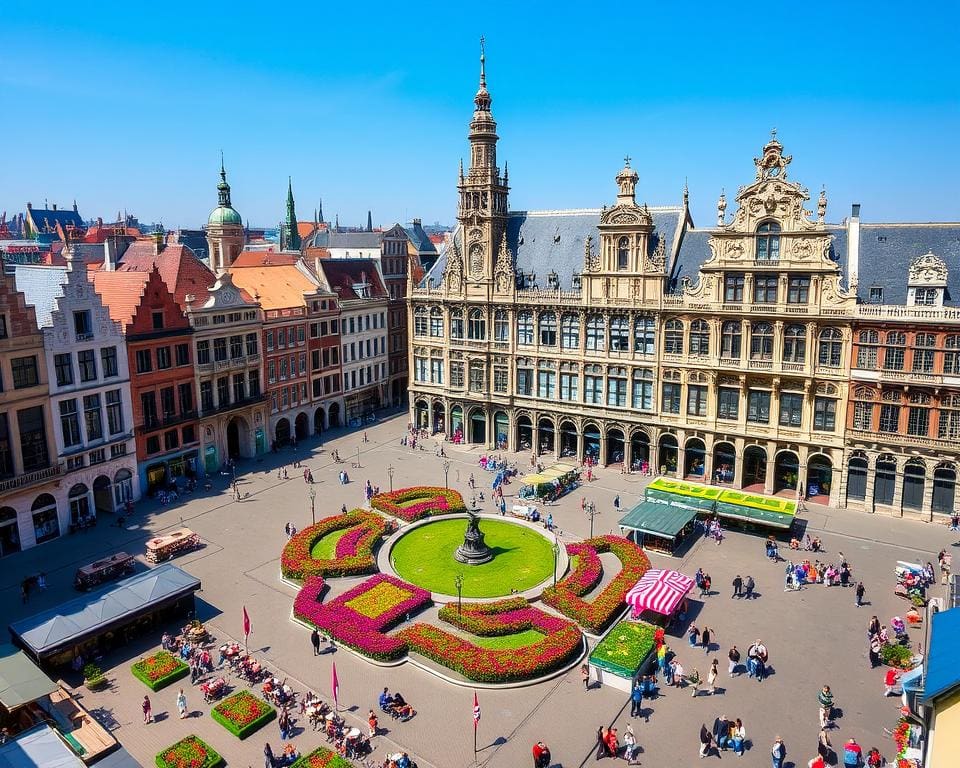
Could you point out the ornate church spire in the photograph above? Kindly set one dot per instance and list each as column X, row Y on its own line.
column 223, row 189
column 482, row 99
column 291, row 235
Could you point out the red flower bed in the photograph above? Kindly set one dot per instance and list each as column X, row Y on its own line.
column 562, row 641
column 159, row 670
column 354, row 553
column 411, row 504
column 588, row 572
column 566, row 597
column 322, row 757
column 362, row 633
column 243, row 713
column 191, row 752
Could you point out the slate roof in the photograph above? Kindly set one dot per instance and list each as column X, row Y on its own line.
column 121, row 292
column 342, row 274
column 46, row 219
column 41, row 286
column 329, row 239
column 886, row 251
column 943, row 672
column 278, row 286
column 63, row 626
column 179, row 267
column 420, row 239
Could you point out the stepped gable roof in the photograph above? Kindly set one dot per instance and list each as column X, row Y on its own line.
column 179, row 267
column 276, row 286
column 41, row 286
column 343, row 274
column 121, row 292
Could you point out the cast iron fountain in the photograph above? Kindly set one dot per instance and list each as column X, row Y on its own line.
column 473, row 551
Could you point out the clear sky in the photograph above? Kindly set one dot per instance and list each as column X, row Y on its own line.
column 366, row 104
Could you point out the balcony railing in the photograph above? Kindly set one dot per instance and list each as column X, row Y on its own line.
column 32, row 478
column 225, row 407
column 224, row 365
column 153, row 424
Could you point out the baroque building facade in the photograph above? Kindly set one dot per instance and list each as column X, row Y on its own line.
column 628, row 336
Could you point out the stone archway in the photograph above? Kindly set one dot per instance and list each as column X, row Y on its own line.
column 333, row 415
column 616, row 447
column 281, row 432
column 318, row 421
column 103, row 495
column 439, row 417
column 545, row 435
column 667, row 454
column 238, row 438
column 301, row 427
column 569, row 439
column 724, row 463
column 819, row 478
column 640, row 451
column 478, row 426
column 754, row 469
column 695, row 459
column 421, row 414
column 786, row 472
column 524, row 433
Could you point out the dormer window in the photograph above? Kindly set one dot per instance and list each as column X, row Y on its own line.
column 926, row 297
column 876, row 294
column 768, row 241
column 623, row 253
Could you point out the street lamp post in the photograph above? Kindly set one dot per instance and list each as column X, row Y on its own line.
column 390, row 475
column 591, row 510
column 313, row 513
column 446, row 474
column 459, row 582
column 556, row 554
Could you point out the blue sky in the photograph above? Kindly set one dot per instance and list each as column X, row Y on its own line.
column 127, row 106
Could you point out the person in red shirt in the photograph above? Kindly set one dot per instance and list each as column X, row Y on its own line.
column 852, row 754
column 541, row 755
column 613, row 746
column 890, row 682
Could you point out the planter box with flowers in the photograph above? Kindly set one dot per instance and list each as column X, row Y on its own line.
column 419, row 501
column 191, row 752
column 359, row 617
column 243, row 713
column 561, row 641
column 321, row 757
column 567, row 596
column 354, row 552
column 159, row 670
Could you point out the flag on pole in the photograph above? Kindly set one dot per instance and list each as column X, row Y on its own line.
column 336, row 686
column 476, row 711
column 246, row 623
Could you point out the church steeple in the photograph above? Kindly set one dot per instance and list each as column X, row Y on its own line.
column 290, row 234
column 223, row 189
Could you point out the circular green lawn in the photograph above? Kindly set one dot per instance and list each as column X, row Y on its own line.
column 522, row 559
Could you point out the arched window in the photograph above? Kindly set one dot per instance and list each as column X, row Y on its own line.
column 501, row 328
column 830, row 348
column 548, row 329
column 918, row 414
column 596, row 328
column 570, row 331
column 867, row 354
column 768, row 241
column 644, row 336
column 894, row 351
column 524, row 327
column 619, row 334
column 420, row 321
column 949, row 426
column 699, row 338
column 924, row 346
column 436, row 322
column 456, row 323
column 673, row 337
column 794, row 344
column 731, row 334
column 761, row 342
column 477, row 325
column 623, row 253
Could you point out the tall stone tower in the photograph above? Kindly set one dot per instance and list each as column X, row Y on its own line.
column 483, row 195
column 289, row 235
column 225, row 236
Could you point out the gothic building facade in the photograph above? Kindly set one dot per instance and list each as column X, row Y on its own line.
column 627, row 335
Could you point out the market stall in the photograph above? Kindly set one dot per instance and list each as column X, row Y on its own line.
column 659, row 526
column 659, row 592
column 87, row 576
column 551, row 483
column 164, row 547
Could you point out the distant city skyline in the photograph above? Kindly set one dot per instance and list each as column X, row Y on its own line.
column 368, row 110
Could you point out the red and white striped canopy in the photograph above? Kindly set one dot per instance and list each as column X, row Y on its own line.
column 659, row 590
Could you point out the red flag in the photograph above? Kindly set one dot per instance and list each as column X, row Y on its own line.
column 246, row 622
column 476, row 711
column 336, row 686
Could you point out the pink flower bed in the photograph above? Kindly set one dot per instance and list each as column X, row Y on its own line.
column 362, row 633
column 354, row 552
column 588, row 572
column 419, row 501
column 596, row 614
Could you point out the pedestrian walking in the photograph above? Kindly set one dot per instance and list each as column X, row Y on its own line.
column 601, row 743
column 541, row 755
column 636, row 699
column 693, row 635
column 737, row 587
column 712, row 676
column 147, row 711
column 616, row 502
column 706, row 740
column 734, row 656
column 267, row 756
column 372, row 723
column 315, row 641
column 749, row 585
column 585, row 676
column 705, row 639
column 778, row 752
column 182, row 704
column 859, row 593
column 825, row 748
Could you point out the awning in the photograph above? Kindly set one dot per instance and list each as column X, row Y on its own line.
column 550, row 474
column 57, row 629
column 703, row 505
column 657, row 519
column 750, row 515
column 943, row 672
column 21, row 681
column 38, row 747
column 660, row 591
column 912, row 679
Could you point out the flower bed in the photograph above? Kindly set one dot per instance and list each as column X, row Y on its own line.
column 624, row 648
column 598, row 613
column 420, row 501
column 340, row 618
column 191, row 752
column 561, row 642
column 159, row 670
column 588, row 570
column 322, row 757
column 243, row 713
column 354, row 552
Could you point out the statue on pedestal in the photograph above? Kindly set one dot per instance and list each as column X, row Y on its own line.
column 473, row 551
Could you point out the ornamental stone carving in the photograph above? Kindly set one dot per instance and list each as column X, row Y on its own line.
column 928, row 269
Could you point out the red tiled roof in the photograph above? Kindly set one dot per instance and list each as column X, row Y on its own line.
column 305, row 228
column 179, row 267
column 98, row 233
column 121, row 292
column 277, row 286
column 342, row 274
column 264, row 258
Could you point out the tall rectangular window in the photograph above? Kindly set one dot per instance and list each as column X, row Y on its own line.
column 236, row 347
column 148, row 405
column 569, row 386
column 223, row 391
column 617, row 392
column 203, row 352
column 728, row 403
column 24, row 370
column 253, row 383
column 163, row 358
column 890, row 418
column 185, row 392
column 92, row 417
column 63, row 365
column 733, row 287
column 33, row 438
column 252, row 344
column 182, row 352
column 168, row 405
column 69, row 422
column 593, row 389
column 144, row 361
column 206, row 395
column 758, row 407
column 791, row 409
column 114, row 412
column 642, row 397
column 220, row 349
column 765, row 289
column 108, row 359
column 798, row 290
column 824, row 414
column 696, row 400
column 670, row 400
column 88, row 365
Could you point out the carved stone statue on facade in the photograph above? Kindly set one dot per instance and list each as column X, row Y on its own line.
column 822, row 206
column 721, row 209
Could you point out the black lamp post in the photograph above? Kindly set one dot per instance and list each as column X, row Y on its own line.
column 390, row 475
column 313, row 513
column 458, row 580
column 591, row 509
column 556, row 554
column 446, row 474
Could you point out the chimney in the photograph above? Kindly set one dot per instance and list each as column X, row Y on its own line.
column 110, row 255
column 856, row 211
column 853, row 247
column 29, row 206
column 99, row 221
column 54, row 206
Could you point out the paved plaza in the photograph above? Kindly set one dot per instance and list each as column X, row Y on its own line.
column 814, row 636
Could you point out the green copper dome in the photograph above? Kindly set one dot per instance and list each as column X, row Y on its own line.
column 224, row 214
